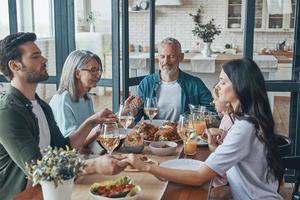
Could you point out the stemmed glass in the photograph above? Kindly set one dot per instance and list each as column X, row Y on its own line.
column 109, row 136
column 126, row 117
column 150, row 107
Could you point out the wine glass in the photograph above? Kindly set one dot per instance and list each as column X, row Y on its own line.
column 150, row 107
column 126, row 117
column 109, row 136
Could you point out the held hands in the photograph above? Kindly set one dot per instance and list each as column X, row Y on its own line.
column 135, row 161
column 114, row 164
column 109, row 164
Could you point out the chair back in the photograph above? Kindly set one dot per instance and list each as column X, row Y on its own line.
column 284, row 145
column 293, row 162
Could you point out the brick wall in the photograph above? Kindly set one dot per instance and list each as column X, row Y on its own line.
column 175, row 22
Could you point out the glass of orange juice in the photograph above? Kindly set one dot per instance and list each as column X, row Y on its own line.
column 190, row 145
column 187, row 133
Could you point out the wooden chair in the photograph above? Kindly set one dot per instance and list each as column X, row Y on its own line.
column 284, row 145
column 293, row 162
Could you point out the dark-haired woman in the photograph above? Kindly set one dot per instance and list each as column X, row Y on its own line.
column 248, row 154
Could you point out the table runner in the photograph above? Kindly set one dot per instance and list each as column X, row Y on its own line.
column 152, row 188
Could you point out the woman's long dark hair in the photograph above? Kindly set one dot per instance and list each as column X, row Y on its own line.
column 249, row 85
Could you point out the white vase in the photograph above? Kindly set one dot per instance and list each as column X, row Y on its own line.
column 92, row 27
column 62, row 191
column 206, row 51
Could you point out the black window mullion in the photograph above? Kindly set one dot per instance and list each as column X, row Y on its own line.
column 152, row 36
column 125, row 50
column 64, row 32
column 249, row 28
column 115, row 54
column 12, row 10
column 294, row 127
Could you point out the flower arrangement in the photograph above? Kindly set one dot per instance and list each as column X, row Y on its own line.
column 91, row 17
column 206, row 31
column 56, row 165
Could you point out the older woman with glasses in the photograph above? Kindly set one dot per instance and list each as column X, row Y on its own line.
column 72, row 105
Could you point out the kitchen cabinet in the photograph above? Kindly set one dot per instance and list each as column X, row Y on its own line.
column 282, row 22
column 234, row 15
column 263, row 20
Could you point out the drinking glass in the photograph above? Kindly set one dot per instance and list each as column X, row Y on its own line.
column 109, row 136
column 187, row 133
column 150, row 107
column 126, row 117
column 212, row 120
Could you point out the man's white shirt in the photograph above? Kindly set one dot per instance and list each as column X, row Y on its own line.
column 169, row 101
column 43, row 125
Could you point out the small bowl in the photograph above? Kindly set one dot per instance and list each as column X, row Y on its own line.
column 158, row 148
column 133, row 149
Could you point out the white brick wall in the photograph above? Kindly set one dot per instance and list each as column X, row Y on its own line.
column 176, row 22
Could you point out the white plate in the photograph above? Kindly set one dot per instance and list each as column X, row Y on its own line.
column 156, row 122
column 201, row 142
column 149, row 141
column 185, row 164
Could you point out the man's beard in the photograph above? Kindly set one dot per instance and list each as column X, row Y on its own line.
column 34, row 76
column 169, row 72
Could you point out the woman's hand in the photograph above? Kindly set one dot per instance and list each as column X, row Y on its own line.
column 92, row 136
column 104, row 115
column 212, row 137
column 135, row 161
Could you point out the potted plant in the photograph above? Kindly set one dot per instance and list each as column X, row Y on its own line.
column 91, row 18
column 56, row 171
column 206, row 31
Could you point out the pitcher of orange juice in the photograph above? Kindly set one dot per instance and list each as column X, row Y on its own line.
column 199, row 123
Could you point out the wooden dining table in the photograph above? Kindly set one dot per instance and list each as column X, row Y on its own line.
column 152, row 185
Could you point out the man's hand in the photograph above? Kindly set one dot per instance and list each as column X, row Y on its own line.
column 104, row 115
column 108, row 165
column 133, row 103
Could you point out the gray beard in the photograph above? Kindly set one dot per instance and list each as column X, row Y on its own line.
column 169, row 73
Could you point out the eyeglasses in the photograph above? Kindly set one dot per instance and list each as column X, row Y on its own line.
column 94, row 70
